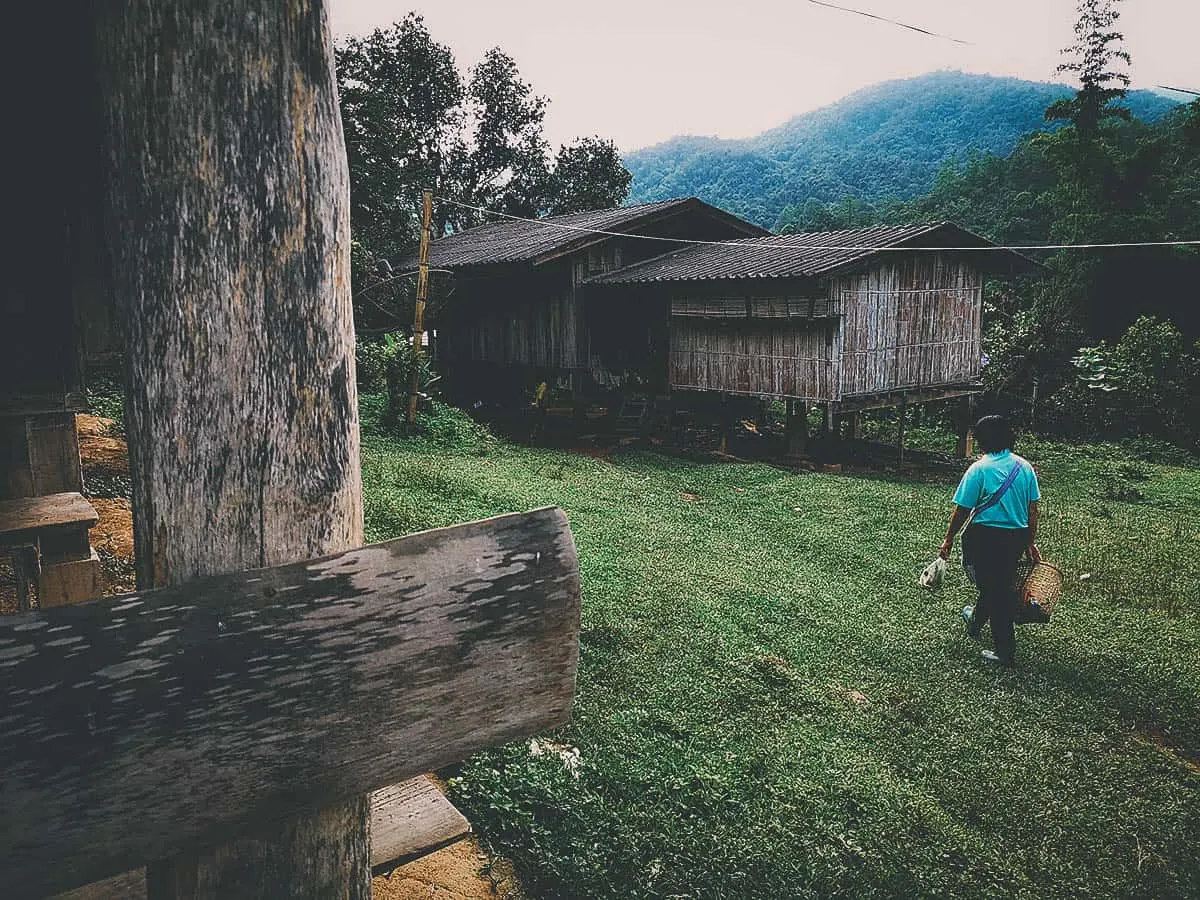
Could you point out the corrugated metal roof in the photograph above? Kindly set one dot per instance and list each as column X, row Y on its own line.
column 792, row 255
column 512, row 241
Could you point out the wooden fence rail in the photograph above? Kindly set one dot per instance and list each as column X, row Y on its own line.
column 140, row 726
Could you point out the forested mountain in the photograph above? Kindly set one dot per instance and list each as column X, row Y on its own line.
column 886, row 141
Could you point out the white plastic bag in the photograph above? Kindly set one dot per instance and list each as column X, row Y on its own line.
column 931, row 578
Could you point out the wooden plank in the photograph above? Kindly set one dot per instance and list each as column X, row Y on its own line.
column 136, row 727
column 129, row 885
column 54, row 453
column 70, row 581
column 408, row 820
column 21, row 519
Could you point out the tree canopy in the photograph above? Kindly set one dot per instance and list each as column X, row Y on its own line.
column 413, row 120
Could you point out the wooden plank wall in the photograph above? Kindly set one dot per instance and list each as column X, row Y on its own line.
column 519, row 320
column 792, row 358
column 909, row 323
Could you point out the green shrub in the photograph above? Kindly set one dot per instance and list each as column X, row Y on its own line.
column 385, row 365
column 453, row 429
column 1144, row 386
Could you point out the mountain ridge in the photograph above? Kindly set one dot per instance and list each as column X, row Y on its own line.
column 885, row 141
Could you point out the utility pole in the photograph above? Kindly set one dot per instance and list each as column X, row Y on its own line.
column 419, row 306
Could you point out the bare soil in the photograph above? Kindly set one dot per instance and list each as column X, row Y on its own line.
column 462, row 871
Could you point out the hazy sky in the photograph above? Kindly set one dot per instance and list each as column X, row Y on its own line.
column 640, row 71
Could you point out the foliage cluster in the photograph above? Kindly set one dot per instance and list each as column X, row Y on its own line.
column 1148, row 383
column 386, row 365
column 768, row 705
column 106, row 397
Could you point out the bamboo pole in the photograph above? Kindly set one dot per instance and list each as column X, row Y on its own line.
column 419, row 306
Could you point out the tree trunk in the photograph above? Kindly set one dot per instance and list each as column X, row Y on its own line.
column 227, row 218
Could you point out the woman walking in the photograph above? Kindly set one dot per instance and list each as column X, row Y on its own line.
column 998, row 496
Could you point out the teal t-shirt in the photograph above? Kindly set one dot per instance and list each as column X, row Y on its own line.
column 985, row 477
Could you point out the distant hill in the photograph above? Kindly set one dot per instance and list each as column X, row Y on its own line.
column 885, row 141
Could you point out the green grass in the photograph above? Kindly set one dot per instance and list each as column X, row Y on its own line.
column 768, row 705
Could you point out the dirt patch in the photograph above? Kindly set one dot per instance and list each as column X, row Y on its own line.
column 113, row 534
column 462, row 871
column 1161, row 741
column 102, row 453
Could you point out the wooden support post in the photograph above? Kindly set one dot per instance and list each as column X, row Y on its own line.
column 796, row 428
column 418, row 337
column 227, row 223
column 963, row 449
column 902, row 420
column 854, row 425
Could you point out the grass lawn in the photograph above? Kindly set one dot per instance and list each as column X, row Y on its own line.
column 769, row 706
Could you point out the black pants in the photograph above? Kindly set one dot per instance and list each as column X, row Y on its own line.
column 993, row 553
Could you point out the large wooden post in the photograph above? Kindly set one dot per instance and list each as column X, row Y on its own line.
column 227, row 219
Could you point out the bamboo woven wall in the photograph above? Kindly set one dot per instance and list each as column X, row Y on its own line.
column 777, row 358
column 913, row 322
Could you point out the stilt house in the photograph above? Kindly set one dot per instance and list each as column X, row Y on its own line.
column 852, row 319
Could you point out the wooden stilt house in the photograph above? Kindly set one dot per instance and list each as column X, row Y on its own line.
column 852, row 319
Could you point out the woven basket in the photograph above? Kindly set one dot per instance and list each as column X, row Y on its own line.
column 1038, row 587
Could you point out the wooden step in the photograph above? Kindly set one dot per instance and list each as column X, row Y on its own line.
column 26, row 518
column 408, row 821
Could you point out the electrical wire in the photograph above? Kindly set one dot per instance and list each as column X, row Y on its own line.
column 868, row 15
column 759, row 243
column 402, row 275
column 1167, row 87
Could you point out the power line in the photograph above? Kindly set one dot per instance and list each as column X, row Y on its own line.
column 754, row 243
column 1167, row 87
column 869, row 15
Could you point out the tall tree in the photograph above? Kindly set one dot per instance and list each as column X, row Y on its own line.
column 1096, row 60
column 403, row 117
column 587, row 174
column 412, row 120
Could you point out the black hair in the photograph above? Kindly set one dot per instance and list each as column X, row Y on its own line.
column 995, row 434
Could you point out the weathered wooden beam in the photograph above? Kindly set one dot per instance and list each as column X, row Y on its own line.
column 141, row 726
column 226, row 214
column 859, row 402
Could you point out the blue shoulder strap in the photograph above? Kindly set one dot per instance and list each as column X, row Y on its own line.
column 995, row 498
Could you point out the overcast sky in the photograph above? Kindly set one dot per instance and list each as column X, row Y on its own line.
column 641, row 71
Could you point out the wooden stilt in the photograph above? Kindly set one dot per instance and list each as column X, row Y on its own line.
column 964, row 449
column 903, row 416
column 854, row 425
column 796, row 429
